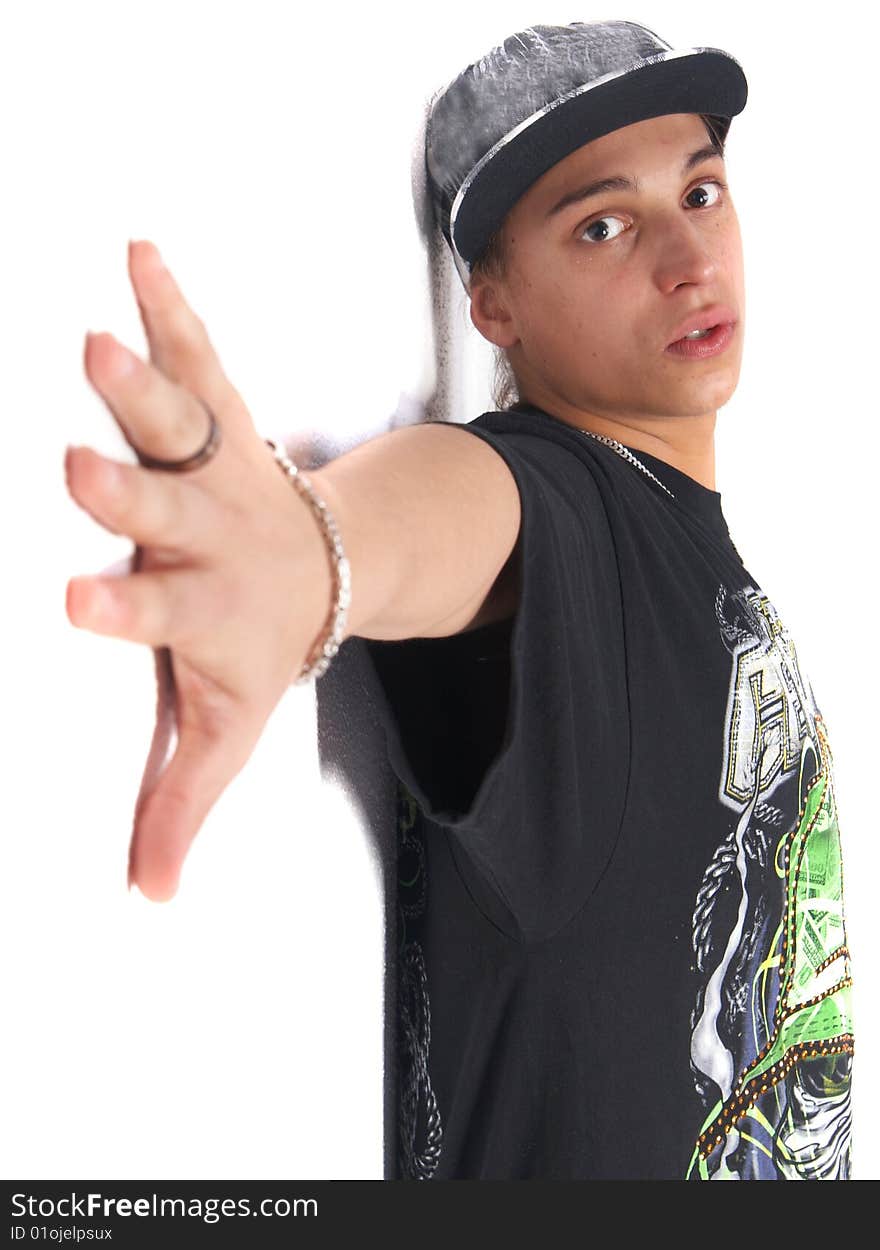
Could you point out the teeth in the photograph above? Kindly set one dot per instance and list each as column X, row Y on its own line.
column 698, row 334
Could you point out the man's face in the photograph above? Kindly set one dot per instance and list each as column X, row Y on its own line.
column 595, row 291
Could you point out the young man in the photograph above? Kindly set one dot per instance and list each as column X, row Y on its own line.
column 622, row 941
column 623, row 948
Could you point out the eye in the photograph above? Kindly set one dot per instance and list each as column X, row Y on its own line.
column 709, row 182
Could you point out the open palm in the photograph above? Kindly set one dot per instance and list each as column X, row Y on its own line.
column 230, row 582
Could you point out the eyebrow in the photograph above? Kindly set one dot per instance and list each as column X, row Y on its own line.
column 619, row 183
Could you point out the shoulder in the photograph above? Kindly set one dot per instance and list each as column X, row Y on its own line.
column 542, row 449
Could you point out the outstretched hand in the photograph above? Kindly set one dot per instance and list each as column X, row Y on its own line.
column 230, row 583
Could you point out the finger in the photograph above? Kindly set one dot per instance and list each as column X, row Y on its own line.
column 213, row 746
column 153, row 508
column 163, row 734
column 155, row 415
column 159, row 607
column 178, row 339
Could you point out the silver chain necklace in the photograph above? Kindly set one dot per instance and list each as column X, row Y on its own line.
column 627, row 455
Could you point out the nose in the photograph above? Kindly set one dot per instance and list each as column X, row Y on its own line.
column 685, row 255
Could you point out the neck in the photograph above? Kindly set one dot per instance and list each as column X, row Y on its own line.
column 687, row 443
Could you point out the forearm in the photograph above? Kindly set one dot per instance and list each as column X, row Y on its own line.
column 428, row 515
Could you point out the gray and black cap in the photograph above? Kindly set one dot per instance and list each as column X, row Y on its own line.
column 542, row 93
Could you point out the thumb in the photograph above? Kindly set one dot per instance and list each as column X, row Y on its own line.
column 171, row 807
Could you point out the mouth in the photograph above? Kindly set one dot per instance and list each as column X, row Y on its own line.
column 707, row 318
column 710, row 341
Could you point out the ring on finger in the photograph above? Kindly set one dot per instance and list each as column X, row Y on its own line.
column 205, row 453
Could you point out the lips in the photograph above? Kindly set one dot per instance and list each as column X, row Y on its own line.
column 705, row 319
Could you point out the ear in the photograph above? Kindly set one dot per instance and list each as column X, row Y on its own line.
column 490, row 311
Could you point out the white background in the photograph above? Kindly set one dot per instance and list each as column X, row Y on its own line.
column 236, row 1032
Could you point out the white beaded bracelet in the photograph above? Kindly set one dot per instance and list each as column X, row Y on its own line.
column 325, row 651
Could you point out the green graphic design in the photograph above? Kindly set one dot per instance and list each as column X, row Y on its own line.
column 773, row 1037
column 813, row 1014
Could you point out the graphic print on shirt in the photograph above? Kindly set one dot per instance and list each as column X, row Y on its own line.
column 420, row 1129
column 772, row 1031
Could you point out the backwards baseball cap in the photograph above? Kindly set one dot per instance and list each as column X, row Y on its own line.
column 542, row 93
